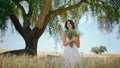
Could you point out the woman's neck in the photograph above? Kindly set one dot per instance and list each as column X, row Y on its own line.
column 70, row 28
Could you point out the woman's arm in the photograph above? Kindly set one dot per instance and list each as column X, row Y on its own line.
column 77, row 41
column 65, row 43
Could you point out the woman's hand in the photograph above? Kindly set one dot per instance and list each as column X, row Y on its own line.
column 65, row 42
column 76, row 40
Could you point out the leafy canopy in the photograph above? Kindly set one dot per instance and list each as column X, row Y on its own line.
column 106, row 11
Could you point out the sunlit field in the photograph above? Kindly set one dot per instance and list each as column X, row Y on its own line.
column 54, row 60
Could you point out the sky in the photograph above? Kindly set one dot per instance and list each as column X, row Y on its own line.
column 92, row 37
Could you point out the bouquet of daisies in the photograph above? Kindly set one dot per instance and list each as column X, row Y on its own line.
column 71, row 34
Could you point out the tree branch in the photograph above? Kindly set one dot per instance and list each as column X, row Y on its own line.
column 25, row 16
column 17, row 25
column 43, row 14
column 17, row 2
column 62, row 9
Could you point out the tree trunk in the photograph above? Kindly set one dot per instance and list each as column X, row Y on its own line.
column 31, row 43
column 32, row 40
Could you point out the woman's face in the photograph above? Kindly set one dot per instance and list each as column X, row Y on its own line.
column 69, row 25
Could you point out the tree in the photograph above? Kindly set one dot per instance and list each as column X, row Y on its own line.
column 102, row 49
column 95, row 50
column 98, row 50
column 37, row 14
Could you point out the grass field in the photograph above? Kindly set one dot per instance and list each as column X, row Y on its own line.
column 54, row 60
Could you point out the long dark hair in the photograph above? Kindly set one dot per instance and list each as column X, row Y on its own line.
column 71, row 22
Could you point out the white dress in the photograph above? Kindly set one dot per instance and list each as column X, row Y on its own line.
column 70, row 56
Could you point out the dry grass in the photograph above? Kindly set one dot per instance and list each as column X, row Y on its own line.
column 54, row 60
column 100, row 61
column 30, row 62
column 3, row 50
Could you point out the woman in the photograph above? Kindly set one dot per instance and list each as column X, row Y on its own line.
column 71, row 54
